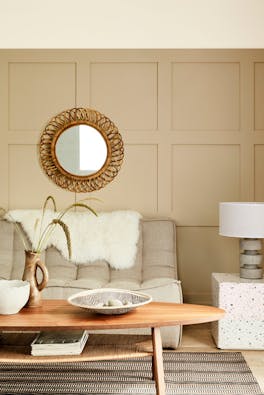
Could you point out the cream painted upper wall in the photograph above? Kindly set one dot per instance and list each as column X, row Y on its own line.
column 131, row 24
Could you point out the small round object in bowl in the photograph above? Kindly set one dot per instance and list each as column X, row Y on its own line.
column 14, row 295
column 109, row 300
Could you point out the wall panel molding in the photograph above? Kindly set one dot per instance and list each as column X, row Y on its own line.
column 205, row 96
column 37, row 91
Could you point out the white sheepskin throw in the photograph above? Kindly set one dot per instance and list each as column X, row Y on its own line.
column 110, row 236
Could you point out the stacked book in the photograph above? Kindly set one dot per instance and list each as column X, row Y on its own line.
column 59, row 343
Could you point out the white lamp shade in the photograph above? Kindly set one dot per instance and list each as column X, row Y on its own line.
column 239, row 219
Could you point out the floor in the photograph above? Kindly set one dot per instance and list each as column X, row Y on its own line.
column 198, row 338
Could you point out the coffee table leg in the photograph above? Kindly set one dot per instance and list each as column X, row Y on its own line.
column 157, row 361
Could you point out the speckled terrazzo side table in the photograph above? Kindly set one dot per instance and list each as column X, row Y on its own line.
column 243, row 300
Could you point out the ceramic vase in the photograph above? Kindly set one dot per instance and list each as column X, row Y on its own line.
column 32, row 263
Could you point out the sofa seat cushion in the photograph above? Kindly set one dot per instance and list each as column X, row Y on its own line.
column 153, row 287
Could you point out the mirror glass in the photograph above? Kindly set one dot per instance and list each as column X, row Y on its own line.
column 81, row 150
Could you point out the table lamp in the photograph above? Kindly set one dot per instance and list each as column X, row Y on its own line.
column 246, row 221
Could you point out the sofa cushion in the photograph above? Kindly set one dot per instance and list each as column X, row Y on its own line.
column 98, row 270
column 6, row 249
column 159, row 249
column 155, row 259
column 58, row 267
column 93, row 274
column 132, row 275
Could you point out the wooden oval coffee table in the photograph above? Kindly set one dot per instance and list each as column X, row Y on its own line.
column 59, row 314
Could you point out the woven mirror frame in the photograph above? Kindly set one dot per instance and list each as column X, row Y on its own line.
column 73, row 182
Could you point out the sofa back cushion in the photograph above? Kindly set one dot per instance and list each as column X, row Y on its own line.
column 6, row 249
column 159, row 249
column 156, row 258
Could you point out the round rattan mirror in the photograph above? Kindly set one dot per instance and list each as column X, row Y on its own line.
column 81, row 150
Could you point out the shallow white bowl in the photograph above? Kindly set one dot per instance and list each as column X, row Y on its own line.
column 93, row 300
column 14, row 295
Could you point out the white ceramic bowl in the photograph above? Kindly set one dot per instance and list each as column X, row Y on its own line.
column 14, row 295
column 97, row 300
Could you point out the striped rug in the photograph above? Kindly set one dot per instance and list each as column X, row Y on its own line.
column 185, row 373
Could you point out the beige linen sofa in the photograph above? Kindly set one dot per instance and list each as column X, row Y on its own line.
column 154, row 271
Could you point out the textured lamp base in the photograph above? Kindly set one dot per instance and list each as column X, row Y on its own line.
column 251, row 273
column 251, row 259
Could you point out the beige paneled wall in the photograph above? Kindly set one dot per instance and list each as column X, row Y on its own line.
column 205, row 96
column 193, row 126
